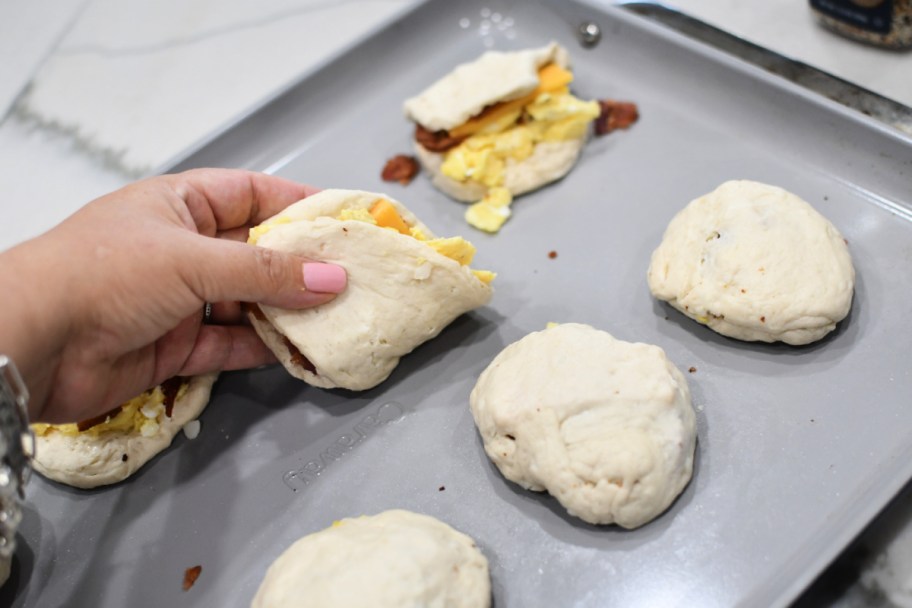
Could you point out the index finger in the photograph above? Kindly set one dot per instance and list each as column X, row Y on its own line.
column 225, row 199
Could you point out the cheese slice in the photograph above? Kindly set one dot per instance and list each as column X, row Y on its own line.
column 551, row 77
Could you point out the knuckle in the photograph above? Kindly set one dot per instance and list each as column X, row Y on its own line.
column 274, row 268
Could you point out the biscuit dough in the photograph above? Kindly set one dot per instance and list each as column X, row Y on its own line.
column 605, row 426
column 471, row 87
column 755, row 262
column 400, row 292
column 89, row 460
column 390, row 560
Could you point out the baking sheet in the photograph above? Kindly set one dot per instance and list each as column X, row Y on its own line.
column 798, row 447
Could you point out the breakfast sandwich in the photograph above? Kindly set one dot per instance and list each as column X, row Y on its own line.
column 113, row 446
column 404, row 286
column 503, row 125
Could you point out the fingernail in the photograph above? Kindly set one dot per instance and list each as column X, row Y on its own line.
column 325, row 278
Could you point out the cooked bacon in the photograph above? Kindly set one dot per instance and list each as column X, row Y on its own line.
column 436, row 141
column 298, row 358
column 85, row 425
column 170, row 388
column 615, row 115
column 400, row 168
column 255, row 311
column 190, row 576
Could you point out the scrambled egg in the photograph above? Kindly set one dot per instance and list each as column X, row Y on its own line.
column 257, row 231
column 552, row 116
column 142, row 414
column 490, row 213
column 382, row 213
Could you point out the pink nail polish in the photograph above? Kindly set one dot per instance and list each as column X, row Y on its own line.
column 325, row 278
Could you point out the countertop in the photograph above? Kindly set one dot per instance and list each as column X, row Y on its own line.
column 97, row 93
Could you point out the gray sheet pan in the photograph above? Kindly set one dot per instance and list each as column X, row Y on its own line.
column 798, row 447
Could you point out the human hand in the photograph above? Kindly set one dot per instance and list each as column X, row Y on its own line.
column 109, row 303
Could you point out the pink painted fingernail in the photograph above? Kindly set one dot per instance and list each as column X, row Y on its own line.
column 325, row 278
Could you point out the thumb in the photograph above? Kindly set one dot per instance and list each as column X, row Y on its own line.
column 231, row 271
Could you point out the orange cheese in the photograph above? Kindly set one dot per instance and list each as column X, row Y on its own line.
column 550, row 78
column 386, row 216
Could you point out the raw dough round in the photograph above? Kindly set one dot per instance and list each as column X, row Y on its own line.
column 603, row 425
column 755, row 262
column 393, row 559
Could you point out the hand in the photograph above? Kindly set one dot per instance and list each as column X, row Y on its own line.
column 109, row 303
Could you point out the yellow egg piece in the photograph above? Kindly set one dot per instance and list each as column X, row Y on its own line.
column 359, row 214
column 142, row 414
column 552, row 116
column 485, row 276
column 455, row 247
column 257, row 231
column 490, row 213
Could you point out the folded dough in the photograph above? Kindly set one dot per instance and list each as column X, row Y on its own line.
column 99, row 456
column 605, row 426
column 401, row 292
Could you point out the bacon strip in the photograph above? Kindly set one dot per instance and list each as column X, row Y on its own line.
column 436, row 141
column 255, row 311
column 297, row 357
column 170, row 388
column 85, row 425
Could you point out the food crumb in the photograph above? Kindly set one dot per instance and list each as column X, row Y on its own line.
column 692, row 370
column 400, row 168
column 615, row 115
column 190, row 576
column 192, row 429
column 441, row 488
column 552, row 254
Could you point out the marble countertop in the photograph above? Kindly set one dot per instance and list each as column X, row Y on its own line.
column 96, row 93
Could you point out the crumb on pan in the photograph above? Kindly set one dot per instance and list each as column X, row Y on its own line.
column 615, row 115
column 190, row 576
column 400, row 168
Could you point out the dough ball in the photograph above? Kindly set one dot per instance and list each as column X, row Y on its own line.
column 393, row 559
column 755, row 262
column 605, row 426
